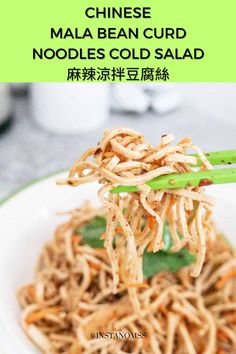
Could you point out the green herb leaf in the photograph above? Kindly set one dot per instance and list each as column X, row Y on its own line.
column 93, row 231
column 162, row 261
column 153, row 263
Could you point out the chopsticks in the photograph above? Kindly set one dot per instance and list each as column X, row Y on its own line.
column 199, row 178
column 226, row 157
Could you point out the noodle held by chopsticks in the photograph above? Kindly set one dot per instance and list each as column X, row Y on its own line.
column 124, row 157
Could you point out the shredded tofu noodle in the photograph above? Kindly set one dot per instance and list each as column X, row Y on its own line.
column 80, row 290
column 124, row 157
column 73, row 296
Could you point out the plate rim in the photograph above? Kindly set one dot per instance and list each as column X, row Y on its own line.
column 28, row 184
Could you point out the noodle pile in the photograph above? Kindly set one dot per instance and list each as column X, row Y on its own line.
column 72, row 297
column 135, row 222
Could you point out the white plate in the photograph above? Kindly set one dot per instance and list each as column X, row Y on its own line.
column 28, row 219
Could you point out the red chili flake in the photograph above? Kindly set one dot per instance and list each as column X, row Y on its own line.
column 97, row 151
column 205, row 182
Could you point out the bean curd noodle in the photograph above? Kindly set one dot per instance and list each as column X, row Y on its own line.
column 72, row 296
column 135, row 221
column 79, row 290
